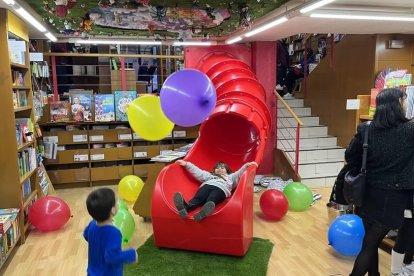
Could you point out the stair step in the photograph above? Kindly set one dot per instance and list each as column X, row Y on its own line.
column 307, row 143
column 291, row 122
column 320, row 169
column 291, row 103
column 318, row 155
column 319, row 182
column 305, row 132
column 299, row 111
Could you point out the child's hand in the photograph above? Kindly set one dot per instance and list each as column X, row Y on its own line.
column 181, row 162
column 252, row 164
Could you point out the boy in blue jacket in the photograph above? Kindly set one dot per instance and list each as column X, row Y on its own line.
column 105, row 256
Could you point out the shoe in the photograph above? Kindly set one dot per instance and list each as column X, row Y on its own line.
column 180, row 205
column 206, row 210
column 279, row 87
column 288, row 96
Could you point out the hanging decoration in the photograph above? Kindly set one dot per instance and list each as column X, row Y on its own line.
column 86, row 24
column 244, row 16
column 62, row 7
column 144, row 2
column 159, row 12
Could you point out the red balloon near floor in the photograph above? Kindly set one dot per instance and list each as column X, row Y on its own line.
column 49, row 213
column 274, row 204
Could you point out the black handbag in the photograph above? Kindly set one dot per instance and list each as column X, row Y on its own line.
column 354, row 185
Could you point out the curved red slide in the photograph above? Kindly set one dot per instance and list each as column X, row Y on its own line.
column 236, row 133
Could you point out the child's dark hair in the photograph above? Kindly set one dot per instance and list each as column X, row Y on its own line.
column 221, row 164
column 99, row 204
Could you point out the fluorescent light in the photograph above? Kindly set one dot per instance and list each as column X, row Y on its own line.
column 51, row 36
column 29, row 18
column 363, row 17
column 123, row 42
column 267, row 26
column 9, row 2
column 316, row 5
column 233, row 40
column 192, row 43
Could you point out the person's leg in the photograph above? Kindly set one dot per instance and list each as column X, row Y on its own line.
column 367, row 260
column 215, row 197
column 199, row 198
column 402, row 245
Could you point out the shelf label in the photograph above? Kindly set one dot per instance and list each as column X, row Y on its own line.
column 36, row 56
column 80, row 138
column 61, row 148
column 51, row 139
column 165, row 151
column 140, row 154
column 96, row 138
column 127, row 136
column 136, row 136
column 80, row 157
column 180, row 133
column 99, row 156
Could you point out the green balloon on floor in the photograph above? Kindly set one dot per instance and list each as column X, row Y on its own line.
column 124, row 221
column 299, row 196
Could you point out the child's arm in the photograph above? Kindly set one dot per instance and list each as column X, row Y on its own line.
column 114, row 253
column 195, row 171
column 236, row 175
column 85, row 232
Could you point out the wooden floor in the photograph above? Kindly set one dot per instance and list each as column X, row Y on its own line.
column 300, row 243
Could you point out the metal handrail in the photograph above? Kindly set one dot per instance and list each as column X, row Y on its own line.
column 298, row 125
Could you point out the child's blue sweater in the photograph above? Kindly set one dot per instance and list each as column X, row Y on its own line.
column 105, row 256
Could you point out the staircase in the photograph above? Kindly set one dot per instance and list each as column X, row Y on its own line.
column 320, row 159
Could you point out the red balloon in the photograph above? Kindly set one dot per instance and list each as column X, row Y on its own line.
column 49, row 213
column 274, row 204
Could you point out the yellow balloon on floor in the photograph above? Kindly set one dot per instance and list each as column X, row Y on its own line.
column 147, row 119
column 130, row 187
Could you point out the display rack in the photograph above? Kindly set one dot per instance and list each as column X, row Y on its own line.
column 18, row 165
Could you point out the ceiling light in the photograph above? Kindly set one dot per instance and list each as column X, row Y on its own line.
column 316, row 5
column 29, row 18
column 385, row 17
column 51, row 36
column 9, row 2
column 267, row 26
column 122, row 42
column 233, row 40
column 192, row 43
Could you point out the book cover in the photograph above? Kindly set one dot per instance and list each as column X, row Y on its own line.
column 104, row 108
column 22, row 97
column 59, row 111
column 81, row 107
column 122, row 99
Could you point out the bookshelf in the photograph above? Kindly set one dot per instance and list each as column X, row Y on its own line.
column 18, row 161
column 101, row 153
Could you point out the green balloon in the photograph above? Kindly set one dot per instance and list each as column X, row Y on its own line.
column 299, row 196
column 121, row 204
column 124, row 221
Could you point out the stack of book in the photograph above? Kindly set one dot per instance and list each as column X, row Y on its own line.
column 9, row 231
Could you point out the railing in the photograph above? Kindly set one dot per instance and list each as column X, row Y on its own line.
column 290, row 133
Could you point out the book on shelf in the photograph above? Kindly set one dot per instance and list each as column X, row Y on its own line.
column 26, row 189
column 17, row 51
column 59, row 111
column 18, row 78
column 24, row 130
column 122, row 99
column 27, row 161
column 50, row 150
column 81, row 107
column 39, row 101
column 104, row 108
column 169, row 156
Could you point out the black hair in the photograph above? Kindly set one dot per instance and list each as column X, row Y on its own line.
column 100, row 203
column 389, row 112
column 221, row 164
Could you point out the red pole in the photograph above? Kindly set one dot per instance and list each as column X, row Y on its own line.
column 54, row 77
column 297, row 150
column 123, row 76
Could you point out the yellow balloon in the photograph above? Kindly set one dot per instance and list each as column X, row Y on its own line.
column 130, row 187
column 147, row 119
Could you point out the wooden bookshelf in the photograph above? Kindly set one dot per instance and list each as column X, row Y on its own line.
column 11, row 188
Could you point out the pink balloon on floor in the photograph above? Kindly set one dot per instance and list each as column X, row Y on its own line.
column 49, row 213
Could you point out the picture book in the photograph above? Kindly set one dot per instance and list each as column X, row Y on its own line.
column 25, row 127
column 81, row 107
column 122, row 99
column 104, row 108
column 59, row 111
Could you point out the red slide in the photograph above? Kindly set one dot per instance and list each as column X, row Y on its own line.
column 236, row 133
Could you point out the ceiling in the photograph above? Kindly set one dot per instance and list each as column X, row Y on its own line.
column 208, row 19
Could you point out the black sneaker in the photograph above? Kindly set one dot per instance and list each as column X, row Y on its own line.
column 206, row 210
column 179, row 204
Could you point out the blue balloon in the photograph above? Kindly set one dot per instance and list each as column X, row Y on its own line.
column 346, row 233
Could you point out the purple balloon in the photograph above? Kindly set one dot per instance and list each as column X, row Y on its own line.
column 188, row 97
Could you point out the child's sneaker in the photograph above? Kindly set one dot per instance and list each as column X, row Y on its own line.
column 288, row 96
column 206, row 210
column 180, row 205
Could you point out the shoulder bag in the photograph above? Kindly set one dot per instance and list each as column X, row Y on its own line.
column 354, row 186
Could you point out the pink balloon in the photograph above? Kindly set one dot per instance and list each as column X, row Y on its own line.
column 49, row 213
